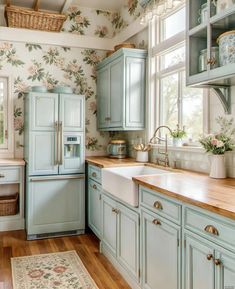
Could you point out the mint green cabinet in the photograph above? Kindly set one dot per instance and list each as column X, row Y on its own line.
column 121, row 91
column 161, row 252
column 199, row 265
column 207, row 265
column 94, row 207
column 121, row 235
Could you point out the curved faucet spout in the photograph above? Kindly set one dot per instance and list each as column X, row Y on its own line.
column 157, row 137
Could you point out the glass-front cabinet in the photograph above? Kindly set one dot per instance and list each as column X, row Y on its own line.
column 211, row 46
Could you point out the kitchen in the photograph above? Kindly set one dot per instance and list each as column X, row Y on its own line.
column 117, row 166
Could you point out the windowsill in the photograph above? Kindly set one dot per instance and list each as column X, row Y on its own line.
column 193, row 149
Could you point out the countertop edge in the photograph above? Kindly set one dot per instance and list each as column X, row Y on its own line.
column 11, row 162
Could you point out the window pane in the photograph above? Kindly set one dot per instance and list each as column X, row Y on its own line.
column 173, row 24
column 173, row 57
column 169, row 100
column 192, row 114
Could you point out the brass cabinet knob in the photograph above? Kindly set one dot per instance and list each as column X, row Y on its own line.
column 94, row 187
column 209, row 257
column 100, row 197
column 158, row 205
column 116, row 211
column 212, row 230
column 156, row 222
column 94, row 175
column 217, row 262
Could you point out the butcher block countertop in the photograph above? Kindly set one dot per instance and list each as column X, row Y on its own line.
column 215, row 195
column 11, row 162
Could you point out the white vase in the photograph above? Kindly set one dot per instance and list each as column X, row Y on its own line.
column 177, row 142
column 142, row 156
column 218, row 168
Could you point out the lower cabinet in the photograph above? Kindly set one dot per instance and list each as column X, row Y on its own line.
column 121, row 234
column 161, row 252
column 55, row 205
column 207, row 265
column 94, row 210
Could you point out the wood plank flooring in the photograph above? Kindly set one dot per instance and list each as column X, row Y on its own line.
column 14, row 244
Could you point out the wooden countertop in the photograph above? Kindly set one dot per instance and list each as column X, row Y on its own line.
column 200, row 190
column 106, row 162
column 216, row 195
column 12, row 162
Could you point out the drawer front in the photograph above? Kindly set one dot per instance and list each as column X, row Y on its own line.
column 94, row 173
column 216, row 229
column 157, row 203
column 8, row 175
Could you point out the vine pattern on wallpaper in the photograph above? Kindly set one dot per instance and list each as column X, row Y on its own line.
column 51, row 66
column 86, row 21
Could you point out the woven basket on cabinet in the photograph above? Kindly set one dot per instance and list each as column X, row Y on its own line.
column 9, row 205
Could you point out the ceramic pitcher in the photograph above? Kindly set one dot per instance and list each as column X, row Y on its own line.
column 218, row 168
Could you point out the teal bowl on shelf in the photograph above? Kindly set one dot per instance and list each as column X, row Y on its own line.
column 39, row 88
column 62, row 89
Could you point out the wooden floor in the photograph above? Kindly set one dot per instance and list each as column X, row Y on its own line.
column 14, row 244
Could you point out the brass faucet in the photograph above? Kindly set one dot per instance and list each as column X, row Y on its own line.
column 165, row 160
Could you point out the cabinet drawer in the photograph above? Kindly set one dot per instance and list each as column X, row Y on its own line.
column 215, row 228
column 8, row 175
column 94, row 173
column 157, row 203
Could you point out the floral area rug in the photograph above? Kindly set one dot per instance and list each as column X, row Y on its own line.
column 63, row 270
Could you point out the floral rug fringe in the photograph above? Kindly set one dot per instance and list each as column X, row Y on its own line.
column 62, row 270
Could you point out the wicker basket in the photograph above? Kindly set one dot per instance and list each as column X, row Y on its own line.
column 27, row 18
column 9, row 205
column 124, row 45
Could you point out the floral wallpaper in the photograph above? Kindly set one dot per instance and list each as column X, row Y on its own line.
column 32, row 64
column 87, row 21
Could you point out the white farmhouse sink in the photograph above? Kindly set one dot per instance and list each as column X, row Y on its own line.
column 118, row 181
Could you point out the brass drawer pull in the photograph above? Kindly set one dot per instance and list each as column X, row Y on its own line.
column 100, row 197
column 2, row 176
column 209, row 257
column 116, row 211
column 158, row 205
column 217, row 262
column 156, row 222
column 94, row 187
column 212, row 230
column 94, row 175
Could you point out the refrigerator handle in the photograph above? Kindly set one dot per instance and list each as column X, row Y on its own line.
column 57, row 142
column 61, row 143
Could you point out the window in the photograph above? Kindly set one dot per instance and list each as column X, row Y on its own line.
column 6, row 118
column 175, row 103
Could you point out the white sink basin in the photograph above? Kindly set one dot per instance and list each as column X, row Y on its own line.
column 118, row 181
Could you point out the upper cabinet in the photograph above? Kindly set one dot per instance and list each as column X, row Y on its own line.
column 121, row 90
column 210, row 46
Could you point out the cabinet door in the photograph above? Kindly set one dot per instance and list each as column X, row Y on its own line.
column 55, row 205
column 109, row 224
column 72, row 112
column 103, row 97
column 199, row 270
column 116, row 93
column 135, row 92
column 44, row 111
column 43, row 154
column 225, row 270
column 94, row 207
column 128, row 240
column 161, row 253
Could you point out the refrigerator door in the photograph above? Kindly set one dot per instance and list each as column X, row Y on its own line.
column 55, row 204
column 43, row 134
column 72, row 112
column 72, row 154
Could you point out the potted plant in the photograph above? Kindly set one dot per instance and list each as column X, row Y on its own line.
column 217, row 144
column 177, row 135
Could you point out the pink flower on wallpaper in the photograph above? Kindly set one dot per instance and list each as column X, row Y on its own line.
column 73, row 67
column 18, row 123
column 5, row 46
column 33, row 70
column 72, row 9
column 48, row 84
column 20, row 86
column 59, row 62
column 92, row 106
column 79, row 19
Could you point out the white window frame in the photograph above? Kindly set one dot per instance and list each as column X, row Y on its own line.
column 156, row 47
column 7, row 150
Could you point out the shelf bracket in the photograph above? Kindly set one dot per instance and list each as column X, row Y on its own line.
column 224, row 95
